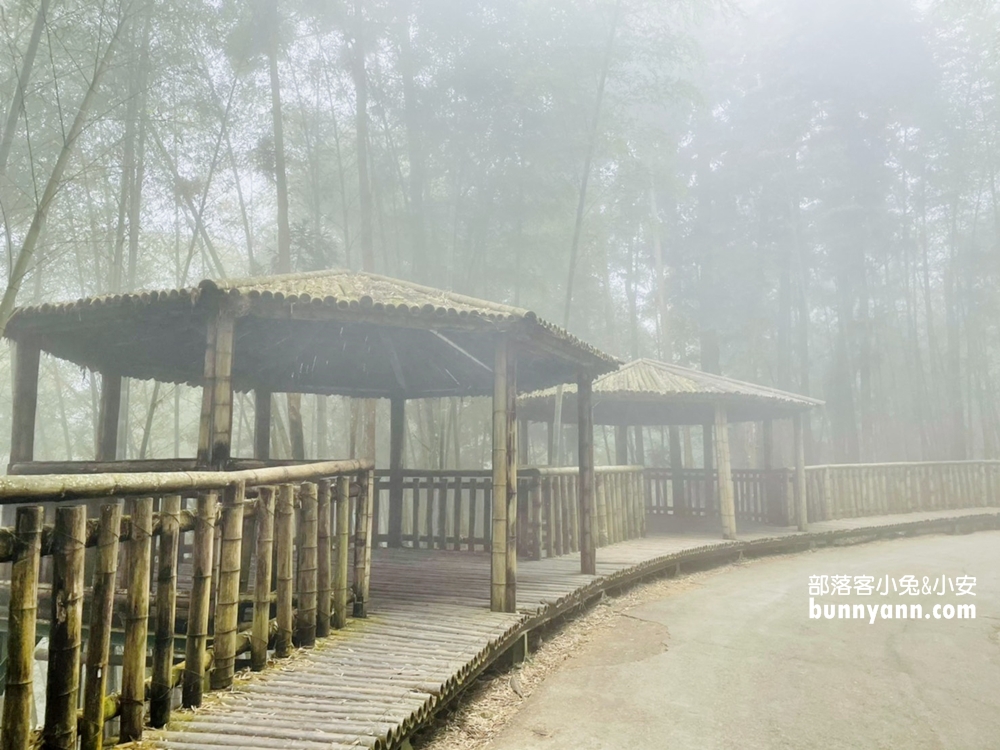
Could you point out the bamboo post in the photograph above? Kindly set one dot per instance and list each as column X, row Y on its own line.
column 498, row 542
column 264, row 535
column 342, row 511
column 397, row 437
column 800, row 473
column 442, row 522
column 161, row 684
column 99, row 638
column 510, row 598
column 137, row 562
column 215, row 435
column 66, row 628
column 536, row 519
column 25, row 401
column 602, row 510
column 22, row 614
column 107, row 416
column 228, row 599
column 557, row 513
column 585, row 432
column 676, row 469
column 284, row 533
column 458, row 512
column 324, row 550
column 727, row 506
column 305, row 620
column 429, row 511
column 201, row 578
column 363, row 544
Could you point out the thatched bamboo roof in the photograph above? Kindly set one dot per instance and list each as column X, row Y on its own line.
column 649, row 392
column 333, row 332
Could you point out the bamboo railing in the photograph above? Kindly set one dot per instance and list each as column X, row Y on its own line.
column 309, row 517
column 451, row 510
column 548, row 503
column 854, row 490
column 761, row 496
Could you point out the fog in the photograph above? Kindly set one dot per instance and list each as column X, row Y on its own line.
column 795, row 193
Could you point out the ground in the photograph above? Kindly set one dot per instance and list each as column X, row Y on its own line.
column 731, row 659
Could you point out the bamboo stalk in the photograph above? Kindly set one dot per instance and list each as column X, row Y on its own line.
column 264, row 529
column 99, row 640
column 23, row 611
column 228, row 600
column 363, row 544
column 197, row 628
column 284, row 532
column 166, row 608
column 66, row 629
column 305, row 620
column 137, row 557
column 324, row 541
column 342, row 509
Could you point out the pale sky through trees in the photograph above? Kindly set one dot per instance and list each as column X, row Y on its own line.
column 817, row 183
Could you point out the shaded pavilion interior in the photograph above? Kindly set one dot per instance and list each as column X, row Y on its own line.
column 330, row 333
column 649, row 393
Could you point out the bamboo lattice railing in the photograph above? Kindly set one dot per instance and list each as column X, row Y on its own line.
column 761, row 496
column 308, row 517
column 854, row 490
column 450, row 510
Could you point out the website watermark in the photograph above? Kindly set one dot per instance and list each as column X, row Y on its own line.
column 840, row 586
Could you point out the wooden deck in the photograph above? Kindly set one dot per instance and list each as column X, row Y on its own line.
column 430, row 633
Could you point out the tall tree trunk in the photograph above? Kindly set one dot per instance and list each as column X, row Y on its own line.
column 17, row 103
column 25, row 255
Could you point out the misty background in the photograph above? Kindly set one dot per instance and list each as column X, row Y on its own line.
column 798, row 193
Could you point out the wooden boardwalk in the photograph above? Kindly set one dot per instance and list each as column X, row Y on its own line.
column 430, row 632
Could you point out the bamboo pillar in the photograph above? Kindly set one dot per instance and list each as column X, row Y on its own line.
column 66, row 628
column 550, row 443
column 602, row 510
column 536, row 519
column 284, row 532
column 228, row 599
column 264, row 533
column 498, row 544
column 585, row 420
column 363, row 544
column 215, row 434
column 727, row 506
column 397, row 444
column 166, row 607
column 305, row 620
column 711, row 492
column 640, row 445
column 137, row 556
column 262, row 424
column 800, row 473
column 342, row 512
column 25, row 402
column 99, row 638
column 324, row 550
column 22, row 614
column 511, row 467
column 676, row 467
column 621, row 444
column 201, row 580
column 523, row 442
column 107, row 418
